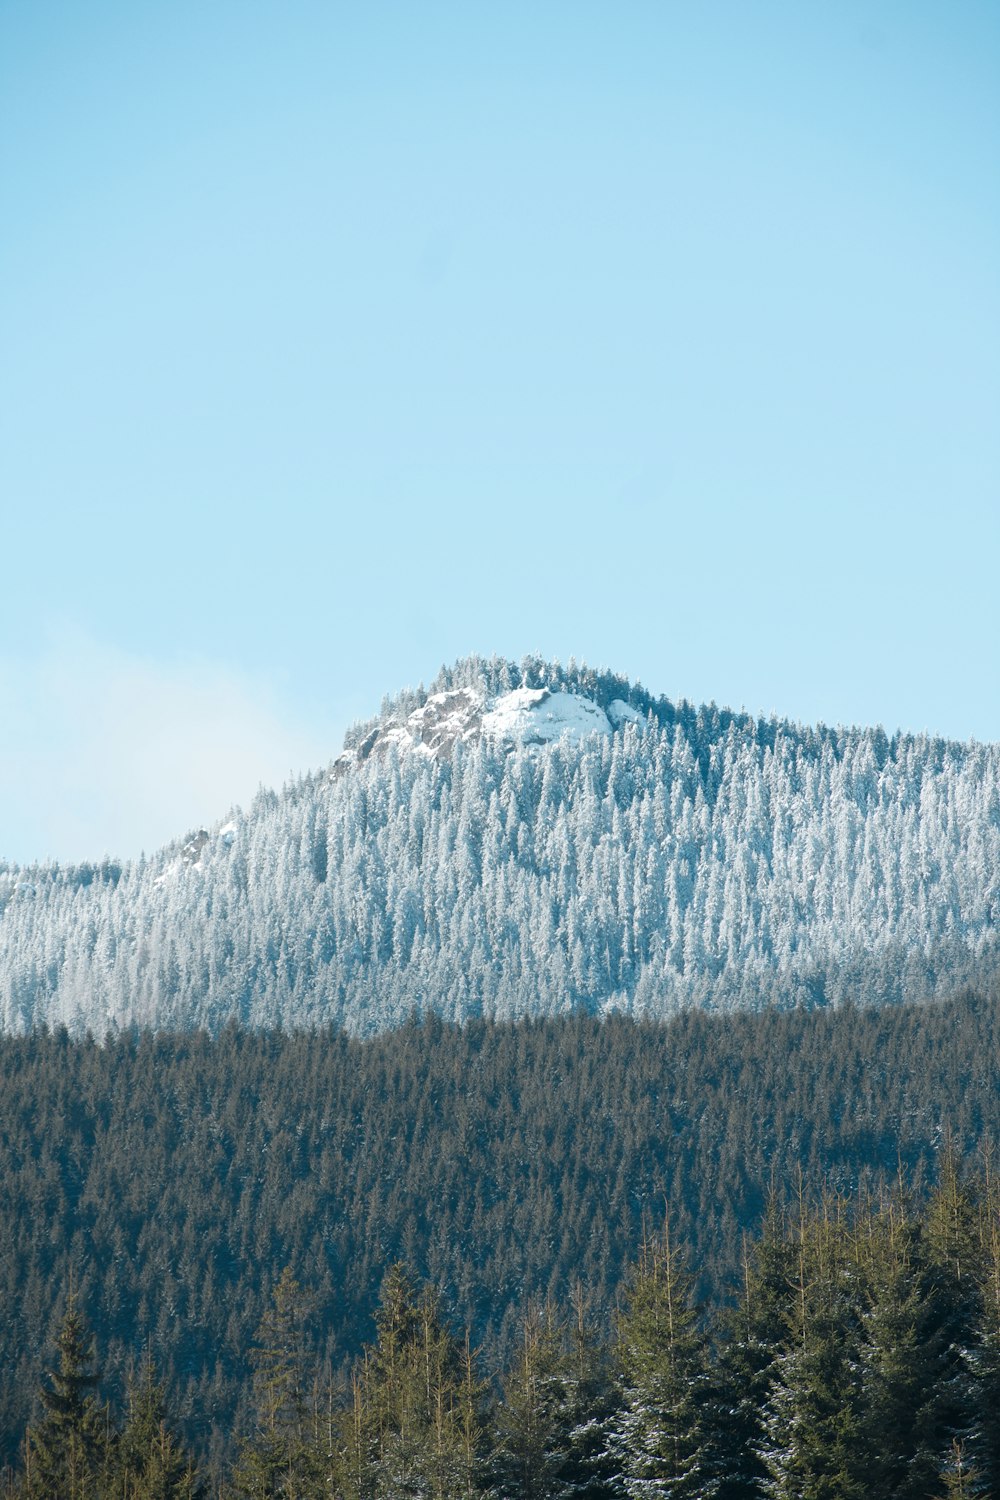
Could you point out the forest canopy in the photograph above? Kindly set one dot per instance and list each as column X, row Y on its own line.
column 174, row 1178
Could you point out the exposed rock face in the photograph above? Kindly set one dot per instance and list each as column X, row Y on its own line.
column 527, row 716
column 191, row 852
column 534, row 716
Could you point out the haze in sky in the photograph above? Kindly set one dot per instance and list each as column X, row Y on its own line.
column 338, row 341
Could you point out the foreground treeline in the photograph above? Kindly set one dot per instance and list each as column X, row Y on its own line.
column 862, row 1359
column 175, row 1177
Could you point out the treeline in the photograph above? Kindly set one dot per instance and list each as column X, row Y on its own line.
column 862, row 1359
column 176, row 1176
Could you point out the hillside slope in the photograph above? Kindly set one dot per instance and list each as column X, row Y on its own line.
column 174, row 1177
column 530, row 840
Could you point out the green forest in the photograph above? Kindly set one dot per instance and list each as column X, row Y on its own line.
column 173, row 1179
column 861, row 1359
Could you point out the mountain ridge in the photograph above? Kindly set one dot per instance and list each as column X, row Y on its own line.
column 528, row 839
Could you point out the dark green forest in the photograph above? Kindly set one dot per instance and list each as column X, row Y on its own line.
column 861, row 1359
column 174, row 1178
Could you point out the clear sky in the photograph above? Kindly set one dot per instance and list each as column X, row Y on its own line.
column 339, row 340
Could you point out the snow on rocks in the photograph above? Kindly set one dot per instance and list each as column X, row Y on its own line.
column 527, row 716
column 446, row 718
column 536, row 716
column 194, row 850
column 623, row 713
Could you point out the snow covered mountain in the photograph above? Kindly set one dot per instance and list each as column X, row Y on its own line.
column 526, row 716
column 527, row 839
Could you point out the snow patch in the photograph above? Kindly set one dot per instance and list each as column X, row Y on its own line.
column 536, row 716
column 621, row 713
column 526, row 716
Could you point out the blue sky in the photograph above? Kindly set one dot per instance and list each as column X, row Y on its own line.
column 338, row 341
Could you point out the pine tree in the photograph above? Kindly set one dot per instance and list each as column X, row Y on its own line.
column 68, row 1453
column 414, row 1427
column 280, row 1459
column 904, row 1363
column 532, row 1431
column 588, row 1407
column 959, row 1480
column 811, row 1447
column 984, row 1438
column 755, row 1337
column 150, row 1462
column 661, row 1438
column 957, row 1263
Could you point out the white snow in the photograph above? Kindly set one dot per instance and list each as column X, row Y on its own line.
column 527, row 716
column 534, row 716
column 445, row 718
column 623, row 713
column 436, row 727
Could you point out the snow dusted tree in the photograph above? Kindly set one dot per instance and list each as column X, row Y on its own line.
column 416, row 1426
column 661, row 1439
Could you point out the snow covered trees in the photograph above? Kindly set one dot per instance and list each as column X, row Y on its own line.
column 687, row 858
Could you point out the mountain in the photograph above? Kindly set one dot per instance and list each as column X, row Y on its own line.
column 529, row 840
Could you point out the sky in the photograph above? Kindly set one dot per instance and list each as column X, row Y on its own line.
column 339, row 341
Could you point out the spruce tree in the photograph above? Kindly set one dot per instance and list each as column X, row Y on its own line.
column 587, row 1411
column 756, row 1335
column 984, row 1437
column 661, row 1438
column 150, row 1463
column 532, row 1431
column 904, row 1364
column 812, row 1426
column 279, row 1459
column 414, row 1426
column 68, row 1454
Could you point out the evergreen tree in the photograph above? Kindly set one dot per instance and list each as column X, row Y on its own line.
column 414, row 1428
column 756, row 1335
column 589, row 1403
column 532, row 1446
column 812, row 1427
column 661, row 1438
column 280, row 1459
column 150, row 1462
column 957, row 1261
column 68, row 1454
column 984, row 1438
column 905, row 1365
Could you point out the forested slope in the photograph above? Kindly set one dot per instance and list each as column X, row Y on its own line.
column 861, row 1359
column 176, row 1176
column 531, row 840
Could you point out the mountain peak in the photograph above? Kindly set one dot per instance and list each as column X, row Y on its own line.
column 524, row 716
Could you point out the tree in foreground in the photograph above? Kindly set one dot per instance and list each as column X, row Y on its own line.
column 280, row 1458
column 415, row 1425
column 661, row 1438
column 150, row 1462
column 69, row 1453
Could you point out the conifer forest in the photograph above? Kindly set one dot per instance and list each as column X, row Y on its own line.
column 861, row 1357
column 717, row 1256
column 548, row 1080
column 565, row 1092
